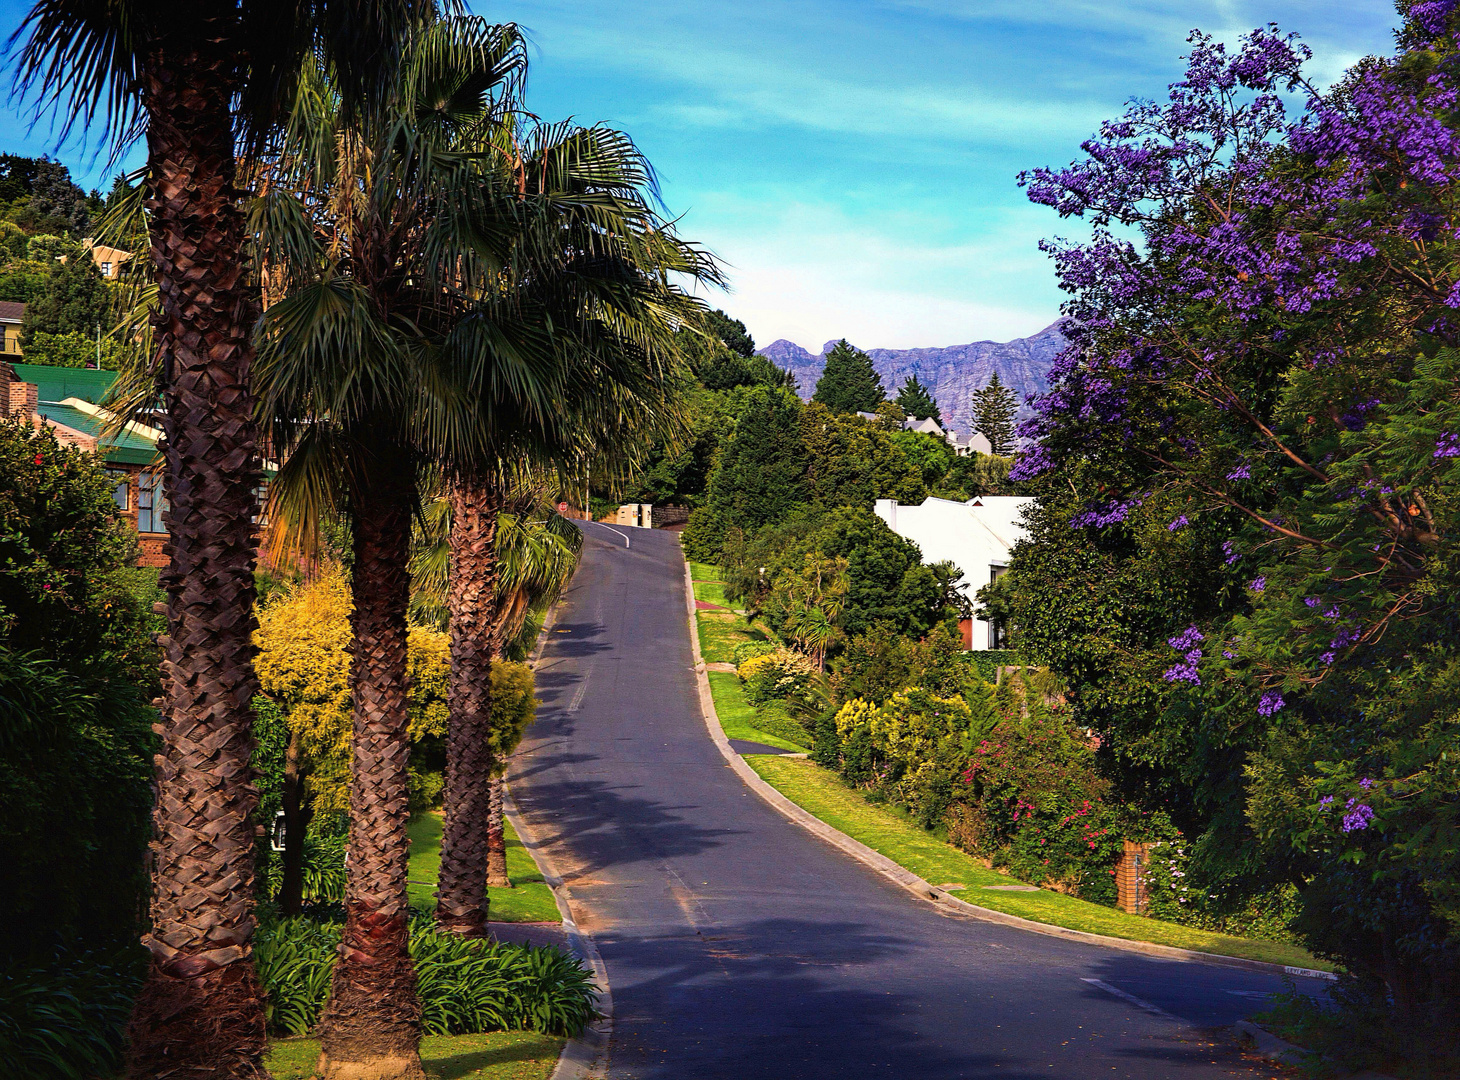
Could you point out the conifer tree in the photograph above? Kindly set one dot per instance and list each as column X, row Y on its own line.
column 917, row 402
column 848, row 383
column 994, row 409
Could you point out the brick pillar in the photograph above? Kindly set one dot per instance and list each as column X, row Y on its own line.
column 1130, row 878
column 21, row 398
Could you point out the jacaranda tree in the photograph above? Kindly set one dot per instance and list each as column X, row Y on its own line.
column 1272, row 371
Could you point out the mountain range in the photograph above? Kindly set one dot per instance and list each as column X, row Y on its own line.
column 951, row 373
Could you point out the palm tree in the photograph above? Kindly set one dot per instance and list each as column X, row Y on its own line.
column 536, row 553
column 190, row 76
column 601, row 264
column 378, row 230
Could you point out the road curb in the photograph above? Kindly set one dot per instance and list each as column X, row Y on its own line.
column 585, row 1055
column 910, row 881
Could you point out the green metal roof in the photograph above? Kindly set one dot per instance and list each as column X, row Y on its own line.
column 59, row 383
column 124, row 449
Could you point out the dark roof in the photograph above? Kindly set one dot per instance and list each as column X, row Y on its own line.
column 58, row 383
column 10, row 311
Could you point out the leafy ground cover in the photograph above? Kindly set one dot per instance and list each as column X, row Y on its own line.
column 896, row 836
column 498, row 1055
column 530, row 901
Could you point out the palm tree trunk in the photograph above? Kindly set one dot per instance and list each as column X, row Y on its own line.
column 371, row 1028
column 461, row 899
column 496, row 836
column 200, row 1013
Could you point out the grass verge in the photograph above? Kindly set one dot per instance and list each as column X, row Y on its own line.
column 530, row 901
column 738, row 716
column 892, row 834
column 498, row 1055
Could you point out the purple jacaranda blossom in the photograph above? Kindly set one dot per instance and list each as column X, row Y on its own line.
column 1331, row 612
column 1325, row 802
column 1241, row 472
column 1230, row 554
column 1328, row 657
column 1229, row 654
column 1104, row 515
column 1189, row 638
column 1179, row 523
column 1448, row 445
column 1188, row 642
column 1366, row 783
column 1311, row 601
column 1257, row 584
column 1432, row 15
column 1357, row 816
column 1271, row 702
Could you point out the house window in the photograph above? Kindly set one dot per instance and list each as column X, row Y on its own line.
column 151, row 503
column 122, row 493
column 261, row 498
column 106, row 269
column 4, row 338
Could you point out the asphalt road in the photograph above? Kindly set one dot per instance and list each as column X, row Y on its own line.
column 738, row 945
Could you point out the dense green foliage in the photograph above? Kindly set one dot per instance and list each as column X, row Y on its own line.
column 848, row 383
column 76, row 668
column 915, row 400
column 74, row 301
column 39, row 196
column 465, row 985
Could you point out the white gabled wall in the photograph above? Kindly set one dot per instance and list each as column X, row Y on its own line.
column 975, row 536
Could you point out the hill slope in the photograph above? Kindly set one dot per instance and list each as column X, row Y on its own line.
column 952, row 373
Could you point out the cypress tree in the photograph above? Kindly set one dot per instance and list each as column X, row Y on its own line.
column 848, row 383
column 994, row 409
column 915, row 400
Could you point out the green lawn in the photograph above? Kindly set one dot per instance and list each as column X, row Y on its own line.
column 498, row 1055
column 699, row 571
column 892, row 834
column 530, row 901
column 738, row 716
column 711, row 592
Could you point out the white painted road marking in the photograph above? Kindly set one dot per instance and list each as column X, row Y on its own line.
column 1133, row 1000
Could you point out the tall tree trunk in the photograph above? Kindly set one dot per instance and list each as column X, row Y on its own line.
column 471, row 599
column 296, row 821
column 200, row 1014
column 496, row 836
column 371, row 1028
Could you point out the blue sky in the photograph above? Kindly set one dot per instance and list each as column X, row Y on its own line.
column 853, row 163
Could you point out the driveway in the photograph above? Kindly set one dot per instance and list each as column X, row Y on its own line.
column 740, row 946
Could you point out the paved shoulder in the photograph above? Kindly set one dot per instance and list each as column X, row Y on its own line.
column 740, row 946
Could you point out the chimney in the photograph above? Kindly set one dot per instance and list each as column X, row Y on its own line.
column 886, row 509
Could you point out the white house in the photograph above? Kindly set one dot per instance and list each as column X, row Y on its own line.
column 976, row 536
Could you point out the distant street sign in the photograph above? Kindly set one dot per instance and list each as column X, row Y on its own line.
column 562, row 508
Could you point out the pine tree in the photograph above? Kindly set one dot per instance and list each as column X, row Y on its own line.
column 848, row 383
column 917, row 402
column 994, row 409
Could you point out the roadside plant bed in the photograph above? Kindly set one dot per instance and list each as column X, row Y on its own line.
column 62, row 1016
column 466, row 986
column 896, row 835
column 497, row 1055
